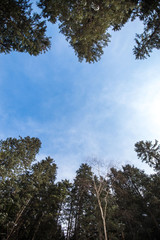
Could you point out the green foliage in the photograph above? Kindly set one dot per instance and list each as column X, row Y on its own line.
column 16, row 155
column 84, row 23
column 148, row 12
column 34, row 206
column 137, row 209
column 81, row 209
column 20, row 29
column 149, row 153
column 30, row 200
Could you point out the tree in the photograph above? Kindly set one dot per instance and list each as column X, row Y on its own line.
column 89, row 209
column 149, row 153
column 105, row 202
column 20, row 29
column 84, row 224
column 123, row 204
column 17, row 155
column 148, row 11
column 137, row 197
column 85, row 23
column 129, row 191
column 30, row 199
column 100, row 188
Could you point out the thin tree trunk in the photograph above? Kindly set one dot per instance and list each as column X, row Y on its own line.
column 103, row 212
column 37, row 227
column 16, row 225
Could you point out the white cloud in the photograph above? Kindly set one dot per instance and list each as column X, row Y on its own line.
column 113, row 104
column 112, row 120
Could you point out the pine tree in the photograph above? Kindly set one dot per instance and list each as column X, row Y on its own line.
column 85, row 23
column 137, row 203
column 17, row 155
column 30, row 199
column 83, row 204
column 20, row 29
column 148, row 11
column 149, row 153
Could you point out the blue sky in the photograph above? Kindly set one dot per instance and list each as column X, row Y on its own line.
column 81, row 110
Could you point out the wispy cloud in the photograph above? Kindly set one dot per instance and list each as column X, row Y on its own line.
column 80, row 110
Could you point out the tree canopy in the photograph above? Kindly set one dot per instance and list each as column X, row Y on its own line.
column 30, row 199
column 20, row 29
column 123, row 204
column 85, row 24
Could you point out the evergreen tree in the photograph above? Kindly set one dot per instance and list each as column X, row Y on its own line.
column 83, row 205
column 30, row 200
column 85, row 23
column 148, row 11
column 17, row 155
column 86, row 212
column 124, row 205
column 137, row 203
column 149, row 153
column 20, row 29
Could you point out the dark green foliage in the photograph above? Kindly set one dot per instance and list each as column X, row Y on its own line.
column 85, row 22
column 137, row 203
column 41, row 220
column 82, row 207
column 33, row 206
column 148, row 12
column 149, row 153
column 84, row 220
column 20, row 29
column 30, row 200
column 16, row 155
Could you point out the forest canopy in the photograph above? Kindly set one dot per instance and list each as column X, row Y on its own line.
column 123, row 203
column 84, row 23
